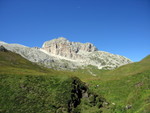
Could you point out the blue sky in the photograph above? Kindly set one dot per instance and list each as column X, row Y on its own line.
column 116, row 26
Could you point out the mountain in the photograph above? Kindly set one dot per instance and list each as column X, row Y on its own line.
column 60, row 53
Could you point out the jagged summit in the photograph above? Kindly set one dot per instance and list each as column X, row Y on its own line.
column 63, row 47
column 57, row 40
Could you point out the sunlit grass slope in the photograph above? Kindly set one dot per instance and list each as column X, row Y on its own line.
column 127, row 88
column 14, row 63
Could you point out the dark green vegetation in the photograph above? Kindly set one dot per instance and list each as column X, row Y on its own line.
column 28, row 88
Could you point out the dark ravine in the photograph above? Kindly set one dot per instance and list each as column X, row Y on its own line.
column 76, row 92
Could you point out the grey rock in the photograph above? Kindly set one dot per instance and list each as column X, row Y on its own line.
column 64, row 48
column 62, row 54
column 2, row 48
column 128, row 106
column 83, row 53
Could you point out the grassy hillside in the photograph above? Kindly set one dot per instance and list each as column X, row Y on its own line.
column 126, row 88
column 14, row 63
column 26, row 87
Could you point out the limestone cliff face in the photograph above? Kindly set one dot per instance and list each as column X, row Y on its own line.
column 82, row 54
column 64, row 48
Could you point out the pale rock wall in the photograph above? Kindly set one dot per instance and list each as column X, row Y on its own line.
column 63, row 47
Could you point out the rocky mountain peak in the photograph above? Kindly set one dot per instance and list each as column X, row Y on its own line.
column 60, row 53
column 63, row 47
column 57, row 40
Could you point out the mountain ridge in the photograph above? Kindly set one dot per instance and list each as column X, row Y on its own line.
column 60, row 53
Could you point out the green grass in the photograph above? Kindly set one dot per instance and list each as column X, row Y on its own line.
column 131, row 90
column 128, row 85
column 26, row 93
column 27, row 87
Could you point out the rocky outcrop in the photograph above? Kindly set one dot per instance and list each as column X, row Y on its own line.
column 2, row 48
column 83, row 53
column 64, row 48
column 74, row 91
column 63, row 54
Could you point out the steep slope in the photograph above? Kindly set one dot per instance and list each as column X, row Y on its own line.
column 14, row 63
column 63, row 54
column 133, row 68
